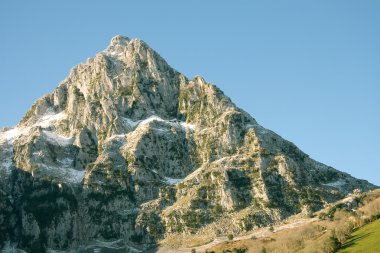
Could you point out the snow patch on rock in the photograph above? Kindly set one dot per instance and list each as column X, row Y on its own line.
column 68, row 175
column 11, row 134
column 49, row 118
column 66, row 162
column 6, row 158
column 336, row 184
column 187, row 125
column 175, row 123
column 45, row 121
column 58, row 139
column 173, row 181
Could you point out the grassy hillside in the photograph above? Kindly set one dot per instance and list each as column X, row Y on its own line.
column 366, row 240
column 330, row 231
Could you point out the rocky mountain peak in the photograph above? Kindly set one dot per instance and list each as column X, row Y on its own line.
column 128, row 79
column 127, row 148
column 119, row 40
column 134, row 53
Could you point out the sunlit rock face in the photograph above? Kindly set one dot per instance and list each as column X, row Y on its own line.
column 128, row 150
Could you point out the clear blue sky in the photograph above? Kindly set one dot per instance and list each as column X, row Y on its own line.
column 309, row 70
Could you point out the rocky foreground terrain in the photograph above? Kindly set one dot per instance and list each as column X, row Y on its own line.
column 128, row 150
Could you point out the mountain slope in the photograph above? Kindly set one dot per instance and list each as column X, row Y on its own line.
column 128, row 148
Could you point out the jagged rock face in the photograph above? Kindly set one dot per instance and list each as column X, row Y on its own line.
column 128, row 148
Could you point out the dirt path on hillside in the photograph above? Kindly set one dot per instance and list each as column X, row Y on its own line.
column 258, row 234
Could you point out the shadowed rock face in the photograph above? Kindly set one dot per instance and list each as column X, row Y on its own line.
column 128, row 149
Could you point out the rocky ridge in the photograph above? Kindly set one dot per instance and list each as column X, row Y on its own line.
column 128, row 149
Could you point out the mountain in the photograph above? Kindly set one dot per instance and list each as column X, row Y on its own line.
column 128, row 150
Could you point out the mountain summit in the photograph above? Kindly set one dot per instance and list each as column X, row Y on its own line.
column 128, row 150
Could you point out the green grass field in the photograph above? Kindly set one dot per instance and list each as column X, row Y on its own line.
column 366, row 240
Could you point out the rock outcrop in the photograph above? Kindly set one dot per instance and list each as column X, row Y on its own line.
column 127, row 149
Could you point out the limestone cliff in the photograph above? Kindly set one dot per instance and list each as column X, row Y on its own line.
column 126, row 149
